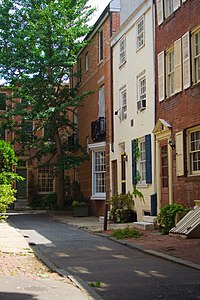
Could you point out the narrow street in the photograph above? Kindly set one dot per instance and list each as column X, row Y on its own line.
column 121, row 273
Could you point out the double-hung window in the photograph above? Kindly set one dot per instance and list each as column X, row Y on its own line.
column 45, row 180
column 123, row 104
column 169, row 7
column 86, row 62
column 99, row 173
column 142, row 162
column 2, row 132
column 140, row 33
column 100, row 45
column 27, row 127
column 194, row 151
column 141, row 102
column 197, row 56
column 170, row 73
column 122, row 51
column 2, row 101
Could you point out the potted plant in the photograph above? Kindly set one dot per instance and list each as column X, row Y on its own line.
column 122, row 208
column 79, row 203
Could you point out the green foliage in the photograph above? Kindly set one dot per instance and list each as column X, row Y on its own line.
column 7, row 161
column 127, row 232
column 166, row 217
column 6, row 198
column 7, row 176
column 136, row 192
column 119, row 204
column 39, row 43
column 39, row 201
column 96, row 284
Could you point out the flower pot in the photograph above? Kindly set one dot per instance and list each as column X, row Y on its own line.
column 80, row 210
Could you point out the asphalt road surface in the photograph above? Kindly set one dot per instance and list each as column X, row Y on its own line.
column 122, row 273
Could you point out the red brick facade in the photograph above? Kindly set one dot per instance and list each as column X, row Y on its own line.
column 97, row 75
column 182, row 110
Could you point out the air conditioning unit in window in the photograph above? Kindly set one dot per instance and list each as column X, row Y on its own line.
column 141, row 105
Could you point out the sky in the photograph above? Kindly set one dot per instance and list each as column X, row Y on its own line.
column 100, row 5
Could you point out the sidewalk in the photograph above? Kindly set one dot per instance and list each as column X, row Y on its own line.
column 173, row 248
column 24, row 277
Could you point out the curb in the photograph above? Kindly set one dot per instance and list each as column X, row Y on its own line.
column 173, row 259
column 81, row 284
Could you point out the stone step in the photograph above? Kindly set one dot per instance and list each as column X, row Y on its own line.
column 150, row 219
column 144, row 225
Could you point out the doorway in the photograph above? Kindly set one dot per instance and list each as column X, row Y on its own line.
column 164, row 173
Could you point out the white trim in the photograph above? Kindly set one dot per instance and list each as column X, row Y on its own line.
column 97, row 145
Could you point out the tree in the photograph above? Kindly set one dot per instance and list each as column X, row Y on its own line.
column 7, row 175
column 39, row 43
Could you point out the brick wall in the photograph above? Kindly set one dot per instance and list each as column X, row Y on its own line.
column 181, row 111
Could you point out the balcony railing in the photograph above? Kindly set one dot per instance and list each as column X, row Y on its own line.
column 98, row 130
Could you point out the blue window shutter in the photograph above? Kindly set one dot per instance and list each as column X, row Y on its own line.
column 148, row 159
column 133, row 163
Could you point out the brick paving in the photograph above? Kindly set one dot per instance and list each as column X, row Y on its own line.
column 28, row 265
column 182, row 248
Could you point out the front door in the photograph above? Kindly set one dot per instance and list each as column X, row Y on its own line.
column 164, row 173
column 114, row 177
column 21, row 186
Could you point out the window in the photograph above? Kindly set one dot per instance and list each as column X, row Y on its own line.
column 140, row 33
column 194, row 151
column 27, row 128
column 141, row 102
column 79, row 75
column 170, row 73
column 197, row 56
column 2, row 133
column 100, row 45
column 45, row 179
column 122, row 51
column 169, row 7
column 86, row 62
column 123, row 104
column 142, row 162
column 102, row 101
column 99, row 175
column 2, row 101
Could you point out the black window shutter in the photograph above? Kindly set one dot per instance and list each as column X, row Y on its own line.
column 133, row 163
column 148, row 159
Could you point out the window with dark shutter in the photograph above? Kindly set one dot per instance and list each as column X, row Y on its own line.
column 148, row 159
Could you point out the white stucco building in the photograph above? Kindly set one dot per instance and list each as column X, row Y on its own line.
column 134, row 105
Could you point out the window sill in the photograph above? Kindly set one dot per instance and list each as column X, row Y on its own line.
column 100, row 62
column 139, row 48
column 122, row 64
column 142, row 185
column 101, row 197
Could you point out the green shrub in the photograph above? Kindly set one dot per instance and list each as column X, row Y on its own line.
column 119, row 204
column 127, row 232
column 6, row 198
column 166, row 217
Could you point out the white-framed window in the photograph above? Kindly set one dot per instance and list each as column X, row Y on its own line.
column 100, row 45
column 102, row 101
column 141, row 101
column 3, row 101
column 140, row 33
column 45, row 180
column 170, row 73
column 142, row 161
column 122, row 51
column 99, row 173
column 194, row 151
column 196, row 56
column 123, row 104
column 169, row 7
column 86, row 62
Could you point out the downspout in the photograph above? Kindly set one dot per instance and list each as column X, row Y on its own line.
column 154, row 91
column 111, row 89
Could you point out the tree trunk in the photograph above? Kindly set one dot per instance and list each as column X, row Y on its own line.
column 60, row 189
column 60, row 175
